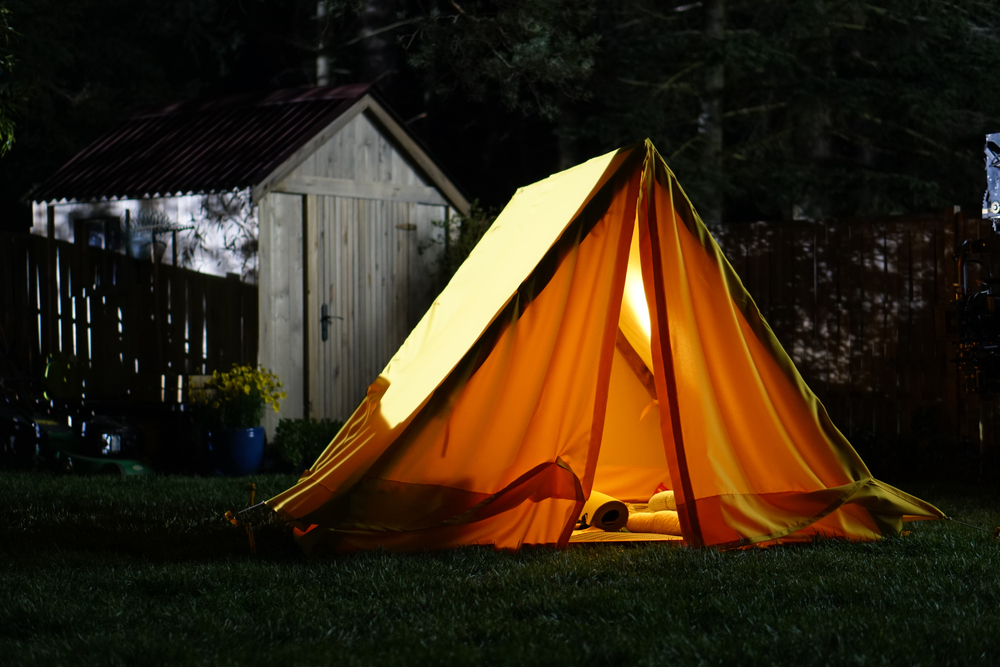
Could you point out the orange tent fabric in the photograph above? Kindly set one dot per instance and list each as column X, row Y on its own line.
column 596, row 338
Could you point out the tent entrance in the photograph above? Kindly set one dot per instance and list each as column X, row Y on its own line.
column 632, row 464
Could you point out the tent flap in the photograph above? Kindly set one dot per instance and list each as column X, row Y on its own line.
column 752, row 451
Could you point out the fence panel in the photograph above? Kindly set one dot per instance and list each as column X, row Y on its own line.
column 863, row 307
column 131, row 328
column 856, row 304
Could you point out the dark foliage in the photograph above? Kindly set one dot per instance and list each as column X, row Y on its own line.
column 827, row 108
column 299, row 442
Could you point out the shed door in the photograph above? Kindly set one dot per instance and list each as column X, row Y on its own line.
column 369, row 279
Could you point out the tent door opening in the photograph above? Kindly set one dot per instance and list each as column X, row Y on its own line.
column 632, row 464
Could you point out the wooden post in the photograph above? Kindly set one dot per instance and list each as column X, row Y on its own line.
column 308, row 228
column 52, row 293
column 229, row 322
column 157, row 310
column 952, row 226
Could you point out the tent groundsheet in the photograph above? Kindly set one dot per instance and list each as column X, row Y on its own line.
column 595, row 339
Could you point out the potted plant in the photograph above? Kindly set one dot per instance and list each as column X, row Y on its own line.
column 230, row 405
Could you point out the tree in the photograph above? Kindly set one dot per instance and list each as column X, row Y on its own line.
column 7, row 105
column 535, row 58
column 536, row 55
column 782, row 108
column 85, row 65
column 710, row 122
column 853, row 108
column 764, row 108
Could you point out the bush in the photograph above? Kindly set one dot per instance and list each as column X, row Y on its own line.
column 299, row 442
column 461, row 234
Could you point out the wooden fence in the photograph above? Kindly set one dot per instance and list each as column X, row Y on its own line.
column 128, row 328
column 866, row 310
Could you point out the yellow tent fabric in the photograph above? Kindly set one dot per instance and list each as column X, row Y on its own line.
column 596, row 338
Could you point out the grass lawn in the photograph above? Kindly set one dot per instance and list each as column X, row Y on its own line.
column 145, row 571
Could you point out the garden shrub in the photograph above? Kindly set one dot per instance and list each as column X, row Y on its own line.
column 299, row 442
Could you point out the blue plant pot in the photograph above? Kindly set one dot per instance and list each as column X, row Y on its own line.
column 236, row 451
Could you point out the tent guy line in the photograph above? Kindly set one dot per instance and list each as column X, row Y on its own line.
column 995, row 532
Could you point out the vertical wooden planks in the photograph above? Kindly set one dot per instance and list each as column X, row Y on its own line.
column 361, row 290
column 335, row 285
column 349, row 278
column 251, row 342
column 64, row 305
column 109, row 312
column 801, row 326
column 368, row 270
column 103, row 339
column 80, row 283
column 377, row 320
column 266, row 258
column 858, row 299
column 853, row 303
column 289, row 282
column 900, row 328
column 16, row 313
column 944, row 278
column 374, row 316
column 828, row 309
column 326, row 281
column 365, row 277
column 197, row 363
column 402, row 262
column 313, row 367
column 212, row 344
column 34, row 348
column 764, row 263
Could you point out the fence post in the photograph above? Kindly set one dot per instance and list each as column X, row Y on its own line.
column 50, row 324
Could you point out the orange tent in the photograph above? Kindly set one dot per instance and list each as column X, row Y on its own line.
column 596, row 338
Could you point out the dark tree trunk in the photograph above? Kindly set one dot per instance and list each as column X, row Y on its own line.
column 322, row 60
column 813, row 150
column 710, row 122
column 378, row 59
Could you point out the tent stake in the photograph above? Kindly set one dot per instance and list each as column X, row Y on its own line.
column 248, row 526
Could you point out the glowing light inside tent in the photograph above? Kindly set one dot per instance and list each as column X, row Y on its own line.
column 635, row 321
column 635, row 302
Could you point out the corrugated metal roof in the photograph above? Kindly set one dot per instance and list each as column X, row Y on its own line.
column 207, row 146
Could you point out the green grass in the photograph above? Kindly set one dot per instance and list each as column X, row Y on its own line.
column 145, row 571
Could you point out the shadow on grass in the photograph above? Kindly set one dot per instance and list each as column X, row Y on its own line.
column 156, row 519
column 174, row 518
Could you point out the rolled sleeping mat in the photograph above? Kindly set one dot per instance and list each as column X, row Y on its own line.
column 604, row 512
column 664, row 500
column 665, row 522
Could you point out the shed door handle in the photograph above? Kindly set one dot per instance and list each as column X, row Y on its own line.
column 324, row 319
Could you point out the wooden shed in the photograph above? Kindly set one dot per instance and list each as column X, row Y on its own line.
column 340, row 202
